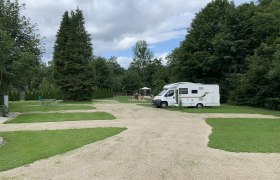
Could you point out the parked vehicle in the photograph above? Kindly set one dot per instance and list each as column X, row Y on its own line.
column 188, row 94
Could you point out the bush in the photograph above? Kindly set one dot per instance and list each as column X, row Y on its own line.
column 273, row 103
column 31, row 95
column 101, row 93
column 3, row 110
column 14, row 96
column 34, row 95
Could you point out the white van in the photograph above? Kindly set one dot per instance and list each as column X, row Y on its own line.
column 188, row 94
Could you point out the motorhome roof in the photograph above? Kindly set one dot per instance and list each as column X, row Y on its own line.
column 168, row 86
column 174, row 85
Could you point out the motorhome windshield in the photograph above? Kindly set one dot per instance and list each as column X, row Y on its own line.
column 162, row 92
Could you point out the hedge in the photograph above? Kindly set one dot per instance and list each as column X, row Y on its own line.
column 101, row 93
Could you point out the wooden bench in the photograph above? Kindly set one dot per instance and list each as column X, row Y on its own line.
column 49, row 101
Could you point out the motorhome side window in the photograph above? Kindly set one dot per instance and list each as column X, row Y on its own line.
column 194, row 91
column 183, row 90
column 169, row 93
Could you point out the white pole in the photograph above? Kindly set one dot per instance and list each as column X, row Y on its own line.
column 6, row 101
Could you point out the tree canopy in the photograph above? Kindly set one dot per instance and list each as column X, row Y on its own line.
column 236, row 47
column 20, row 48
column 72, row 56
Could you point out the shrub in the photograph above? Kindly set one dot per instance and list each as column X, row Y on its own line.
column 101, row 93
column 273, row 103
column 3, row 110
column 14, row 96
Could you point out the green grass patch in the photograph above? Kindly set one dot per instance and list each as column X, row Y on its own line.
column 56, row 117
column 128, row 99
column 245, row 135
column 29, row 106
column 146, row 105
column 75, row 102
column 226, row 108
column 24, row 147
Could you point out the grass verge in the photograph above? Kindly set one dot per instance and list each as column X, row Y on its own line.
column 227, row 108
column 245, row 135
column 75, row 102
column 27, row 106
column 24, row 147
column 146, row 105
column 127, row 99
column 57, row 117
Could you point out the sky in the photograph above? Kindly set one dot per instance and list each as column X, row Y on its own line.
column 116, row 25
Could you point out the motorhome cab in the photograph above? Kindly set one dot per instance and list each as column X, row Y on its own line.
column 188, row 94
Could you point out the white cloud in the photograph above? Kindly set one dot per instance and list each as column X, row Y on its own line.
column 162, row 56
column 124, row 61
column 115, row 25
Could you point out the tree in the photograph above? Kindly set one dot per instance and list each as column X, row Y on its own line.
column 103, row 74
column 236, row 47
column 142, row 55
column 131, row 82
column 160, row 76
column 115, row 68
column 6, row 73
column 72, row 56
column 117, row 72
column 213, row 49
column 20, row 48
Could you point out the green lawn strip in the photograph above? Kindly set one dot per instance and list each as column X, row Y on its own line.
column 75, row 102
column 36, row 106
column 226, row 108
column 146, row 105
column 56, row 117
column 128, row 99
column 245, row 135
column 24, row 147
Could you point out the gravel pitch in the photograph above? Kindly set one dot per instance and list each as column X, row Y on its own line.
column 158, row 144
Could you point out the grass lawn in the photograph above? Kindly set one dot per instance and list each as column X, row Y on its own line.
column 146, row 105
column 127, row 99
column 75, row 102
column 245, row 135
column 24, row 147
column 56, row 117
column 28, row 106
column 226, row 108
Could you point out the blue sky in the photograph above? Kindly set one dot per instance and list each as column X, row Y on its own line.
column 116, row 25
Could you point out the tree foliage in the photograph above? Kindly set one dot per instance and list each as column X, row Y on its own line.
column 20, row 48
column 142, row 55
column 236, row 47
column 72, row 57
column 146, row 70
column 103, row 73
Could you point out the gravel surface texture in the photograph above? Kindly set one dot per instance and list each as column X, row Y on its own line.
column 158, row 144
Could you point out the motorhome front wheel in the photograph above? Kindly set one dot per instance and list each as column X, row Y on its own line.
column 163, row 105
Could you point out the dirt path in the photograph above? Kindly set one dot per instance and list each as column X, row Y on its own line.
column 158, row 144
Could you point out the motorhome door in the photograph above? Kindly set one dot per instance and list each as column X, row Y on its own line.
column 170, row 97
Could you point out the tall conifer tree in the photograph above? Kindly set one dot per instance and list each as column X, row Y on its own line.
column 72, row 54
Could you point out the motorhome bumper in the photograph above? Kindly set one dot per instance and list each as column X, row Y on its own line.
column 157, row 102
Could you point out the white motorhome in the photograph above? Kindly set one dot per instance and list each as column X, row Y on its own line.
column 188, row 94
